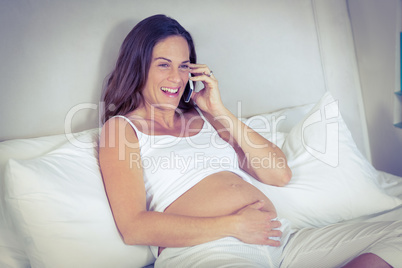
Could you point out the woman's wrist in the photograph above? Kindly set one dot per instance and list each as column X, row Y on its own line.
column 232, row 226
column 220, row 112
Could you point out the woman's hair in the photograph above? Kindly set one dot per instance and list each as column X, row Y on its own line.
column 123, row 90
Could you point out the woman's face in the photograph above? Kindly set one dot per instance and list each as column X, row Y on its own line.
column 168, row 73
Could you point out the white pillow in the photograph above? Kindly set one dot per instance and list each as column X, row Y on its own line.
column 59, row 207
column 12, row 253
column 332, row 181
column 282, row 120
column 274, row 126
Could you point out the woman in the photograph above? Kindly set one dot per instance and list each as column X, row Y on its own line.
column 179, row 176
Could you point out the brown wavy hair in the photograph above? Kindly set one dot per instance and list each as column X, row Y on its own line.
column 123, row 90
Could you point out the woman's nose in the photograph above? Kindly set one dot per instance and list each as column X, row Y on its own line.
column 174, row 76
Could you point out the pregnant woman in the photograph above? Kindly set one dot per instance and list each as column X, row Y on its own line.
column 179, row 175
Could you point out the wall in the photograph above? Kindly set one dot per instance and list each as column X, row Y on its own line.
column 376, row 27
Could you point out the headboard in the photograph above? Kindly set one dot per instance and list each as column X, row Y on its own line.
column 266, row 54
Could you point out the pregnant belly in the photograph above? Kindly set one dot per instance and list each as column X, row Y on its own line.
column 218, row 194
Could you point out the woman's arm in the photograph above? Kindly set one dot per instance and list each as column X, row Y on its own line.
column 125, row 189
column 257, row 156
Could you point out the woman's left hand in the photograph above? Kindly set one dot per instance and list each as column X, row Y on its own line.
column 207, row 99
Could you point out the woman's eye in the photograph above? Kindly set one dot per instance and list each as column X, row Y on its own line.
column 164, row 65
column 184, row 67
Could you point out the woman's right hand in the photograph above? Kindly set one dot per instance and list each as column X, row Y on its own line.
column 256, row 226
column 207, row 99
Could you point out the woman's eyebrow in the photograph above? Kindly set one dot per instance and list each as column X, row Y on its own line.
column 162, row 58
column 166, row 59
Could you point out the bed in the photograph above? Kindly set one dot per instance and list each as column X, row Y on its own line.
column 286, row 68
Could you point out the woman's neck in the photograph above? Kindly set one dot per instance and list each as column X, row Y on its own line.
column 165, row 116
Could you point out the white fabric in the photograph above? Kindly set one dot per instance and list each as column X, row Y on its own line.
column 331, row 181
column 12, row 252
column 282, row 120
column 60, row 209
column 337, row 244
column 227, row 252
column 326, row 247
column 390, row 183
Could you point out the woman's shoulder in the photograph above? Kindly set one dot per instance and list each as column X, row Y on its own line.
column 118, row 120
column 118, row 127
column 131, row 118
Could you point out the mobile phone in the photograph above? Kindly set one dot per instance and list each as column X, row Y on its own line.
column 188, row 97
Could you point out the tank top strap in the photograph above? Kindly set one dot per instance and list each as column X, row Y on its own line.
column 200, row 113
column 139, row 133
column 207, row 125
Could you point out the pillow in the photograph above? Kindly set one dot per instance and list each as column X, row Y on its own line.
column 12, row 250
column 282, row 120
column 274, row 126
column 30, row 148
column 332, row 181
column 59, row 206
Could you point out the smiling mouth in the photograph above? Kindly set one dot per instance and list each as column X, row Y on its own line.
column 169, row 90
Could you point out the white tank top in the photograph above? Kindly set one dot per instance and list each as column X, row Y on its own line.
column 172, row 165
